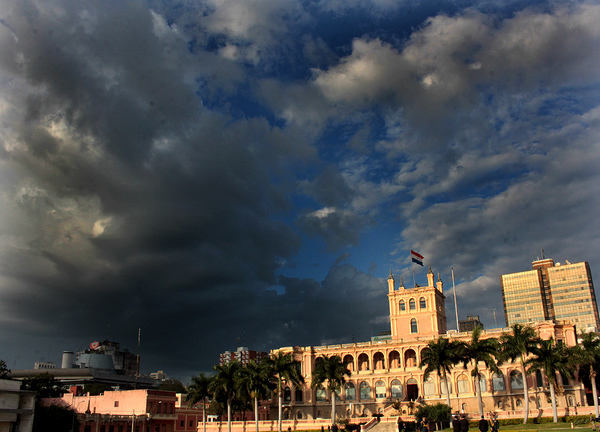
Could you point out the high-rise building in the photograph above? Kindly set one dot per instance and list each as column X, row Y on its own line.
column 551, row 291
column 469, row 324
column 242, row 355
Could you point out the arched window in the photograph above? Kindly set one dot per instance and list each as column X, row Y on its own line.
column 519, row 402
column 299, row 415
column 413, row 326
column 349, row 362
column 516, row 380
column 365, row 390
column 443, row 385
column 570, row 400
column 539, row 381
column 499, row 405
column 422, row 303
column 429, row 387
column 396, row 389
column 363, row 362
column 402, row 306
column 319, row 414
column 410, row 358
column 350, row 391
column 394, row 360
column 498, row 382
column 463, row 384
column 320, row 393
column 412, row 305
column 380, row 389
column 482, row 383
column 378, row 361
column 298, row 394
column 287, row 394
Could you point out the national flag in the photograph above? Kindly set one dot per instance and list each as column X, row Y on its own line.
column 416, row 257
column 94, row 345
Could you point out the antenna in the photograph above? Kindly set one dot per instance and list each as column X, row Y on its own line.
column 543, row 256
column 455, row 302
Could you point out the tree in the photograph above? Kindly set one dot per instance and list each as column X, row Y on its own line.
column 44, row 385
column 440, row 356
column 225, row 385
column 552, row 358
column 588, row 356
column 480, row 350
column 172, row 385
column 256, row 381
column 4, row 370
column 331, row 370
column 283, row 367
column 198, row 391
column 96, row 388
column 517, row 345
column 437, row 413
column 55, row 418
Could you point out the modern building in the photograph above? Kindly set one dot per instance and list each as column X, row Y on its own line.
column 108, row 356
column 551, row 291
column 16, row 407
column 469, row 324
column 242, row 355
column 44, row 365
column 386, row 370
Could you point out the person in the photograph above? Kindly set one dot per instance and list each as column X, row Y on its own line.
column 400, row 425
column 455, row 423
column 495, row 424
column 464, row 423
column 334, row 428
column 483, row 425
column 424, row 427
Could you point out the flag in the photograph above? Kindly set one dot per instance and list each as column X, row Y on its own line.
column 416, row 257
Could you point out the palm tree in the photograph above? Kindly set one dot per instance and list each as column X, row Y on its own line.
column 588, row 356
column 440, row 356
column 552, row 358
column 225, row 384
column 331, row 370
column 518, row 345
column 480, row 350
column 283, row 367
column 198, row 392
column 256, row 382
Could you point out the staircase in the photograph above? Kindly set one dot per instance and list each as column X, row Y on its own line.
column 384, row 426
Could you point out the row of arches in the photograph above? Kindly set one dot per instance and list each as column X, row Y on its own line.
column 411, row 388
column 378, row 361
column 412, row 304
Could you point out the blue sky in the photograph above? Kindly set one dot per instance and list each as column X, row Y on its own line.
column 223, row 172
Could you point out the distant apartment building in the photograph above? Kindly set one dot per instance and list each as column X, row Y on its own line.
column 44, row 365
column 16, row 407
column 242, row 355
column 107, row 355
column 551, row 291
column 469, row 324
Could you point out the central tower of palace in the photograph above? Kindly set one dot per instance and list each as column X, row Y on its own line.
column 418, row 311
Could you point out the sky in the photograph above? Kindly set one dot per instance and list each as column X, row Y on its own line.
column 224, row 173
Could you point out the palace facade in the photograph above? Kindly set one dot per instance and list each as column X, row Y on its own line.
column 387, row 371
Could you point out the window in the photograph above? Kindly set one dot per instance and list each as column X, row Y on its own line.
column 423, row 303
column 402, row 306
column 463, row 384
column 350, row 391
column 380, row 389
column 116, row 404
column 287, row 394
column 191, row 423
column 394, row 360
column 516, row 380
column 378, row 361
column 413, row 326
column 498, row 382
column 482, row 383
column 299, row 415
column 396, row 389
column 539, row 381
column 365, row 390
column 320, row 393
column 429, row 387
column 519, row 402
column 363, row 362
column 443, row 386
column 412, row 304
column 298, row 394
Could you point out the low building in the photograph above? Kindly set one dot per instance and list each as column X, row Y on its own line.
column 469, row 324
column 137, row 410
column 242, row 355
column 16, row 407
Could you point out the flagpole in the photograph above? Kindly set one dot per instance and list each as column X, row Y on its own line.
column 455, row 302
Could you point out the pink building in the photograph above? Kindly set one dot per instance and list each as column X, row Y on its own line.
column 114, row 411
